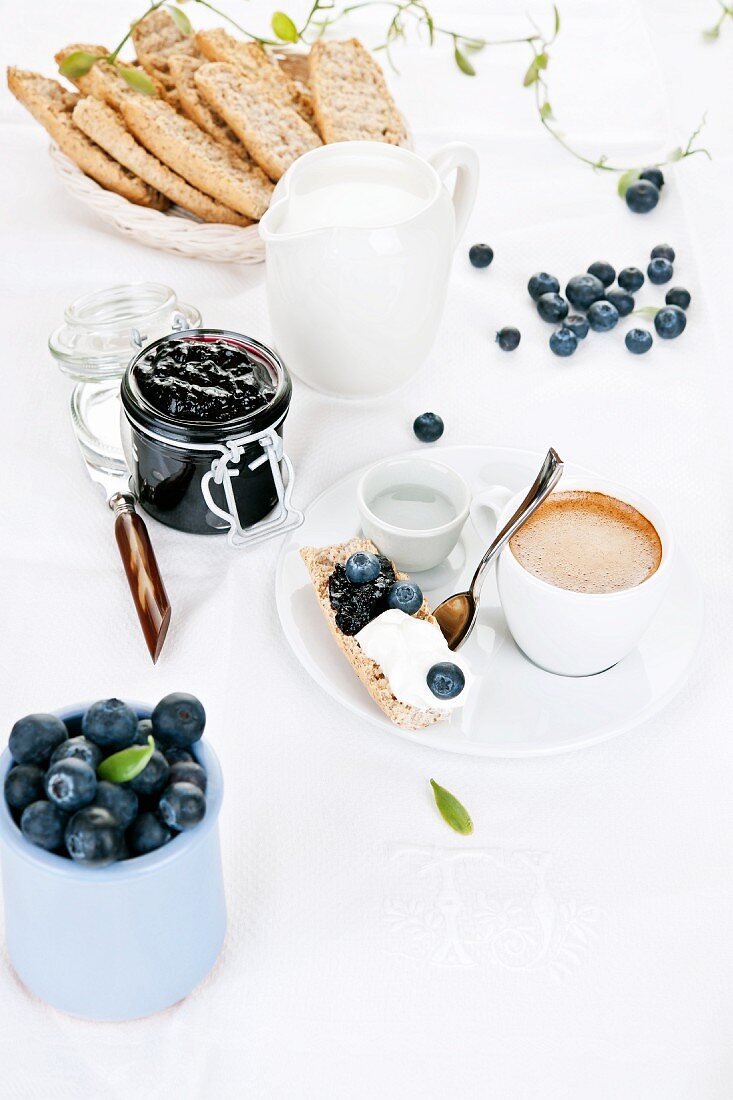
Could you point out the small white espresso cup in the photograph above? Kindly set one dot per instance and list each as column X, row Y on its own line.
column 413, row 549
column 572, row 633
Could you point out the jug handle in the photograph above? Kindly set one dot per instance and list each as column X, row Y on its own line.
column 463, row 159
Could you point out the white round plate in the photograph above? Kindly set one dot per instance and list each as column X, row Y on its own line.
column 515, row 708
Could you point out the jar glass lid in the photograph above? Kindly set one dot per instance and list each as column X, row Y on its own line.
column 95, row 342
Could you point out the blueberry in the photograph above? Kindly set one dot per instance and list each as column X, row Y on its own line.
column 638, row 341
column 446, row 680
column 146, row 834
column 362, row 567
column 428, row 427
column 542, row 283
column 111, row 724
column 79, row 748
column 583, row 290
column 405, row 596
column 182, row 806
column 669, row 322
column 602, row 316
column 563, row 342
column 480, row 255
column 23, row 785
column 603, row 271
column 659, row 270
column 144, row 730
column 642, row 196
column 153, row 777
column 178, row 720
column 177, row 756
column 508, row 338
column 678, row 296
column 577, row 325
column 188, row 772
column 33, row 738
column 664, row 250
column 43, row 824
column 653, row 175
column 120, row 801
column 552, row 307
column 631, row 279
column 622, row 300
column 93, row 837
column 71, row 784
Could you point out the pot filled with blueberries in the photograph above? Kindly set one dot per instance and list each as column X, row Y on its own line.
column 112, row 879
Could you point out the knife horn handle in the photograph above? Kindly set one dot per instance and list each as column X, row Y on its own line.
column 143, row 576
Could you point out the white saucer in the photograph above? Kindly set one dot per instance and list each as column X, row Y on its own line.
column 515, row 708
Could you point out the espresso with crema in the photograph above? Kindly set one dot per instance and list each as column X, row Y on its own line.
column 588, row 542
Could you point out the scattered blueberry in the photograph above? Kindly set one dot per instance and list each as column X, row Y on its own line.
column 583, row 290
column 678, row 296
column 480, row 255
column 428, row 427
column 563, row 342
column 153, row 777
column 577, row 325
column 93, row 837
column 552, row 308
column 33, row 738
column 144, row 730
column 178, row 720
column 182, row 806
column 508, row 338
column 638, row 341
column 146, row 834
column 71, row 784
column 23, row 785
column 659, row 270
column 43, row 824
column 653, row 175
column 642, row 196
column 405, row 596
column 362, row 567
column 120, row 801
column 177, row 756
column 78, row 748
column 542, row 283
column 622, row 300
column 602, row 271
column 602, row 316
column 188, row 772
column 670, row 321
column 664, row 250
column 631, row 279
column 446, row 680
column 111, row 724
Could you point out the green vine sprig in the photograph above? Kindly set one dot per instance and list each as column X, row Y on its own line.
column 726, row 12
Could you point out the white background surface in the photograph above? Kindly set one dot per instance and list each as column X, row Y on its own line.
column 578, row 944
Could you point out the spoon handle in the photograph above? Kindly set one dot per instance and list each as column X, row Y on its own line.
column 544, row 483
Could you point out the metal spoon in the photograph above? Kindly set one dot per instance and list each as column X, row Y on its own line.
column 457, row 615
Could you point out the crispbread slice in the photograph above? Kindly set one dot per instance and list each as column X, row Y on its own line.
column 52, row 106
column 201, row 161
column 251, row 59
column 81, row 82
column 105, row 126
column 320, row 565
column 274, row 134
column 182, row 68
column 156, row 37
column 350, row 97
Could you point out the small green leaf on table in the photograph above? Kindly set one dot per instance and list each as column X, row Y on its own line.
column 647, row 311
column 451, row 810
column 123, row 766
column 284, row 27
column 626, row 179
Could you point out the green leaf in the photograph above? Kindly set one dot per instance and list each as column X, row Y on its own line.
column 472, row 45
column 181, row 20
column 532, row 74
column 431, row 28
column 711, row 33
column 77, row 64
column 546, row 111
column 123, row 766
column 541, row 60
column 137, row 79
column 676, row 154
column 625, row 181
column 463, row 63
column 646, row 311
column 451, row 810
column 557, row 21
column 284, row 27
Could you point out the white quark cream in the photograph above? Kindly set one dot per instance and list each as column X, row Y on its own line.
column 407, row 648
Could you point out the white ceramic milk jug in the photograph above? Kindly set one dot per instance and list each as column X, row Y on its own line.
column 359, row 239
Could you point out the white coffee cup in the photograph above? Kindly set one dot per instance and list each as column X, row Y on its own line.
column 413, row 549
column 572, row 633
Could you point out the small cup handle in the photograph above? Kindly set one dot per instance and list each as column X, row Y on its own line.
column 461, row 157
column 492, row 500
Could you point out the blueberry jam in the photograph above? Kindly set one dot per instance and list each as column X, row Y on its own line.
column 357, row 604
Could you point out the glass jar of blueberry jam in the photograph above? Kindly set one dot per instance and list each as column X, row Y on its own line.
column 205, row 409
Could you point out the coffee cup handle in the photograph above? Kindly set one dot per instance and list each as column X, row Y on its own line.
column 486, row 507
column 461, row 158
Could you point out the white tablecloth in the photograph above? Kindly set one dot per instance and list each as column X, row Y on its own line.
column 585, row 950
